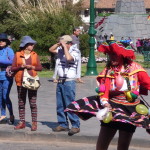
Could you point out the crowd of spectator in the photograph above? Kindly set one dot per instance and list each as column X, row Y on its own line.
column 139, row 46
column 126, row 41
column 143, row 45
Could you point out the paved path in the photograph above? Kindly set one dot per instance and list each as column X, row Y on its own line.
column 51, row 145
column 47, row 118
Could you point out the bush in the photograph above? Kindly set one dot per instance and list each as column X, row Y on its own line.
column 42, row 21
column 38, row 19
column 84, row 45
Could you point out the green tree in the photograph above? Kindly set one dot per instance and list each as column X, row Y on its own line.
column 44, row 21
column 45, row 24
column 84, row 45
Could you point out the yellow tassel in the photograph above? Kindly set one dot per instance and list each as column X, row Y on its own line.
column 128, row 96
column 100, row 94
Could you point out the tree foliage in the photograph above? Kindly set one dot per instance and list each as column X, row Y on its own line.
column 84, row 45
column 43, row 20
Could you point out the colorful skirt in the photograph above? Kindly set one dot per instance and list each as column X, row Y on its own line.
column 122, row 110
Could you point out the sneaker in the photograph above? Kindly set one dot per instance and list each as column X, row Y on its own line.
column 3, row 120
column 21, row 125
column 11, row 120
column 60, row 128
column 73, row 131
column 34, row 126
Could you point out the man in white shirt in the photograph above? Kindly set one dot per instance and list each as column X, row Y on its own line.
column 76, row 41
column 68, row 55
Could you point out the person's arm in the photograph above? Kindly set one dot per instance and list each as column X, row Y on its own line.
column 53, row 49
column 66, row 51
column 105, row 97
column 8, row 56
column 38, row 67
column 14, row 67
column 144, row 79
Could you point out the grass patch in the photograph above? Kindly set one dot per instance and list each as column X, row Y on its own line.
column 104, row 14
column 46, row 74
column 100, row 66
column 49, row 73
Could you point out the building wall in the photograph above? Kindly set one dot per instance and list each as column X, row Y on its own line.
column 108, row 3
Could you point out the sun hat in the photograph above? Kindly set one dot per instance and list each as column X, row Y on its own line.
column 117, row 48
column 3, row 36
column 26, row 40
column 66, row 38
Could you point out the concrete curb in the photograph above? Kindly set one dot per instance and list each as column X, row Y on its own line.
column 61, row 137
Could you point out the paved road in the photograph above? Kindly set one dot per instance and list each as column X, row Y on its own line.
column 47, row 118
column 24, row 145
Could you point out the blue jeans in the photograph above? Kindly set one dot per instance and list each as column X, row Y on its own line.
column 65, row 94
column 5, row 87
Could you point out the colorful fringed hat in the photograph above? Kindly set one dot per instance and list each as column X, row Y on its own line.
column 113, row 47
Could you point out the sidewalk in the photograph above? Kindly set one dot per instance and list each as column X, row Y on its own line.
column 47, row 118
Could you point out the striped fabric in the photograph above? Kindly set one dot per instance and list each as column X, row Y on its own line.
column 32, row 95
column 68, row 69
column 122, row 110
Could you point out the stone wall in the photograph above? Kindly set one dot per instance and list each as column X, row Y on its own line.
column 129, row 20
column 130, row 7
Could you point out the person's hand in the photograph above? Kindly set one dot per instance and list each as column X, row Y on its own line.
column 29, row 67
column 108, row 105
column 58, row 44
column 63, row 43
column 23, row 66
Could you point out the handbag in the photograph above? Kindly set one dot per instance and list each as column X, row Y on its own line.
column 30, row 82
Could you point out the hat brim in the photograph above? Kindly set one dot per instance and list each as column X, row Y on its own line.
column 25, row 43
column 6, row 40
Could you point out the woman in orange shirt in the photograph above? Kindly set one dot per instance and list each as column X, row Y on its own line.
column 32, row 64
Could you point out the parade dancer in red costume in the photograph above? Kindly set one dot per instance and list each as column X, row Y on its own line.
column 120, row 85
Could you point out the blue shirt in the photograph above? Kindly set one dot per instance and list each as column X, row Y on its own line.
column 6, row 59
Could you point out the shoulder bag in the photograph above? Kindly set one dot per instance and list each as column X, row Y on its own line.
column 30, row 82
